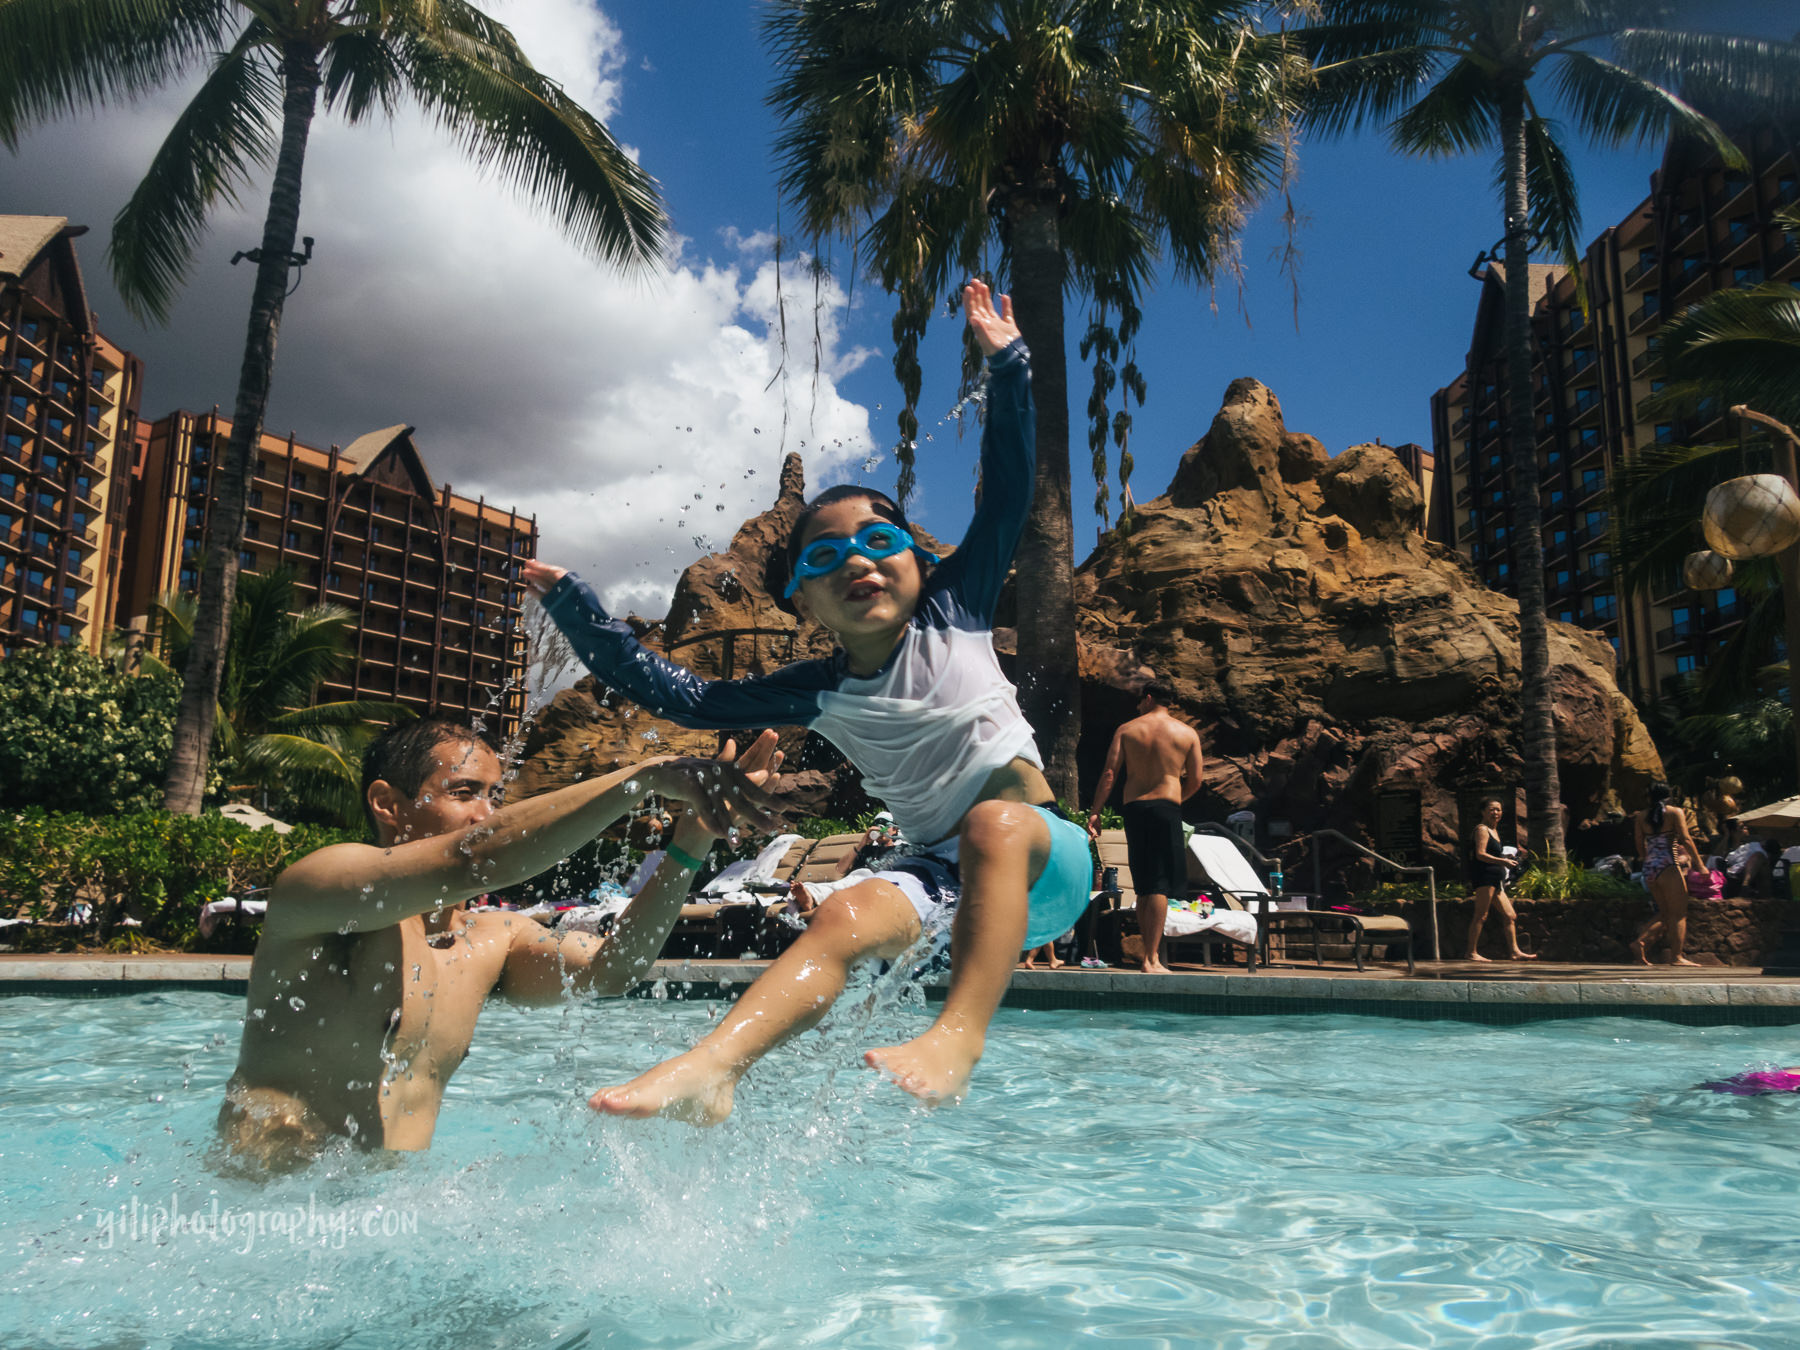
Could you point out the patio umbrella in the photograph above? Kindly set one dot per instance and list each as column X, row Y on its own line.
column 1781, row 815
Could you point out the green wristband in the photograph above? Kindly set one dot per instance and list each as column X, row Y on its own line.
column 683, row 857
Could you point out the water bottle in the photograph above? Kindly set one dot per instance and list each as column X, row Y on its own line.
column 1275, row 879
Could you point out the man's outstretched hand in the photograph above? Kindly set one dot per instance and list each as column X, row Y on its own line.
column 994, row 329
column 720, row 795
column 540, row 576
column 758, row 763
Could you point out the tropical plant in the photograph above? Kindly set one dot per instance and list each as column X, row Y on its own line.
column 267, row 726
column 1446, row 77
column 79, row 736
column 267, row 66
column 1058, row 145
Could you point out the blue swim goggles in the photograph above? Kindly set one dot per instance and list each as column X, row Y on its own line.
column 877, row 540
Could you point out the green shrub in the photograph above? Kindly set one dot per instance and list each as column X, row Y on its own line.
column 1570, row 882
column 155, row 867
column 78, row 736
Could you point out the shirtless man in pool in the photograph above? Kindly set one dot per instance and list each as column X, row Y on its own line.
column 371, row 970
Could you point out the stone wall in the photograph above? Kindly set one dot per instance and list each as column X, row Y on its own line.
column 1720, row 932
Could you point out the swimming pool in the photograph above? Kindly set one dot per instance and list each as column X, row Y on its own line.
column 1126, row 1180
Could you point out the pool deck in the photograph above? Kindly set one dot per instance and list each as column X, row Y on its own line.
column 1551, row 988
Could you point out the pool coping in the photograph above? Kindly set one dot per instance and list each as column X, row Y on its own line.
column 1709, row 990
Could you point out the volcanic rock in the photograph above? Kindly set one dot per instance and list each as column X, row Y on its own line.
column 1326, row 651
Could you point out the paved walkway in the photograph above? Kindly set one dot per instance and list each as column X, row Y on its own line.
column 1306, row 987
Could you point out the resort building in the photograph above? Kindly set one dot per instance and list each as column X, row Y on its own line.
column 431, row 576
column 68, row 408
column 1703, row 228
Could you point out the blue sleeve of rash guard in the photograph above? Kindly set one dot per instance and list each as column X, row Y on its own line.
column 608, row 647
column 970, row 579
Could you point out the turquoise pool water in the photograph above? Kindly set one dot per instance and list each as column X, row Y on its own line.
column 1118, row 1179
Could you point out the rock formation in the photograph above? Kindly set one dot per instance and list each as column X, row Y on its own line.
column 1326, row 651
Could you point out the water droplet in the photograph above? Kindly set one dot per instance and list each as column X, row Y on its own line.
column 297, row 1003
column 690, row 428
column 719, row 507
column 415, row 970
column 631, row 785
column 651, row 735
column 749, row 473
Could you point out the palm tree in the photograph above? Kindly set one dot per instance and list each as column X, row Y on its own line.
column 1445, row 77
column 1077, row 139
column 267, row 724
column 267, row 65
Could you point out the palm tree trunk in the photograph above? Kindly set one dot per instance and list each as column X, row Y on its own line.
column 1048, row 667
column 1543, row 789
column 186, row 782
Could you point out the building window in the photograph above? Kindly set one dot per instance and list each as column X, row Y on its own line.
column 1751, row 274
column 256, row 497
column 300, row 481
column 293, row 539
column 1606, row 607
column 295, row 509
column 246, row 560
column 252, row 530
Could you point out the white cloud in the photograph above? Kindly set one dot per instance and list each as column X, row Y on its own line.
column 532, row 374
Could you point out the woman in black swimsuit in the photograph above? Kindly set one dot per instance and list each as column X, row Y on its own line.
column 1489, row 869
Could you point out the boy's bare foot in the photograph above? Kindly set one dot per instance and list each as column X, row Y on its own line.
column 689, row 1088
column 1027, row 964
column 934, row 1067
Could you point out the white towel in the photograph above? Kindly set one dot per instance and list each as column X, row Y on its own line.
column 1234, row 924
column 217, row 909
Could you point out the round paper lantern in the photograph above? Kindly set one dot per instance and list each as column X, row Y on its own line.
column 1752, row 517
column 1706, row 570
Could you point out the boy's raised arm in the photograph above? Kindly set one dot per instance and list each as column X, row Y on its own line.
column 609, row 649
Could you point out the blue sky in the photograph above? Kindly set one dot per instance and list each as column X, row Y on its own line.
column 640, row 418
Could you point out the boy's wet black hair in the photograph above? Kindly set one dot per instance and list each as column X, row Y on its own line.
column 402, row 755
column 879, row 502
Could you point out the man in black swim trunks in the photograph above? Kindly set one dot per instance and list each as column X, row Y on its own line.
column 1160, row 758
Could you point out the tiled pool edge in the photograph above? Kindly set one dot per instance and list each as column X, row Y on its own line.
column 1271, row 992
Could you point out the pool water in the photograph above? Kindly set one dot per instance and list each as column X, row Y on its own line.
column 1117, row 1179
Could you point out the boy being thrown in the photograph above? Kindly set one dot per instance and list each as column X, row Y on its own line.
column 915, row 698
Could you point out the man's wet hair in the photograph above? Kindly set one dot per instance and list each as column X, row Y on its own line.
column 1161, row 693
column 404, row 754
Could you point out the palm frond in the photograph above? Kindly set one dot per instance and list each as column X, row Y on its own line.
column 1756, row 70
column 227, row 129
column 345, row 713
column 1555, row 208
column 1615, row 105
column 468, row 74
column 60, row 57
column 1741, row 346
column 1454, row 116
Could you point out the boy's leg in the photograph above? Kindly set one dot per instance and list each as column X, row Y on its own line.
column 872, row 919
column 1004, row 848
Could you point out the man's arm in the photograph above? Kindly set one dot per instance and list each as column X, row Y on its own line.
column 612, row 966
column 363, row 887
column 1115, row 755
column 1196, row 766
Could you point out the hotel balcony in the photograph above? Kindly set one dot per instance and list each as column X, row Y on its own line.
column 1582, row 367
column 1693, row 272
column 1784, row 262
column 1684, row 227
column 1643, row 314
column 1585, row 413
column 1590, row 490
column 1648, row 359
column 1739, row 242
column 1639, row 270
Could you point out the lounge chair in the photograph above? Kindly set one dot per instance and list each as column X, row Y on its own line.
column 1121, row 898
